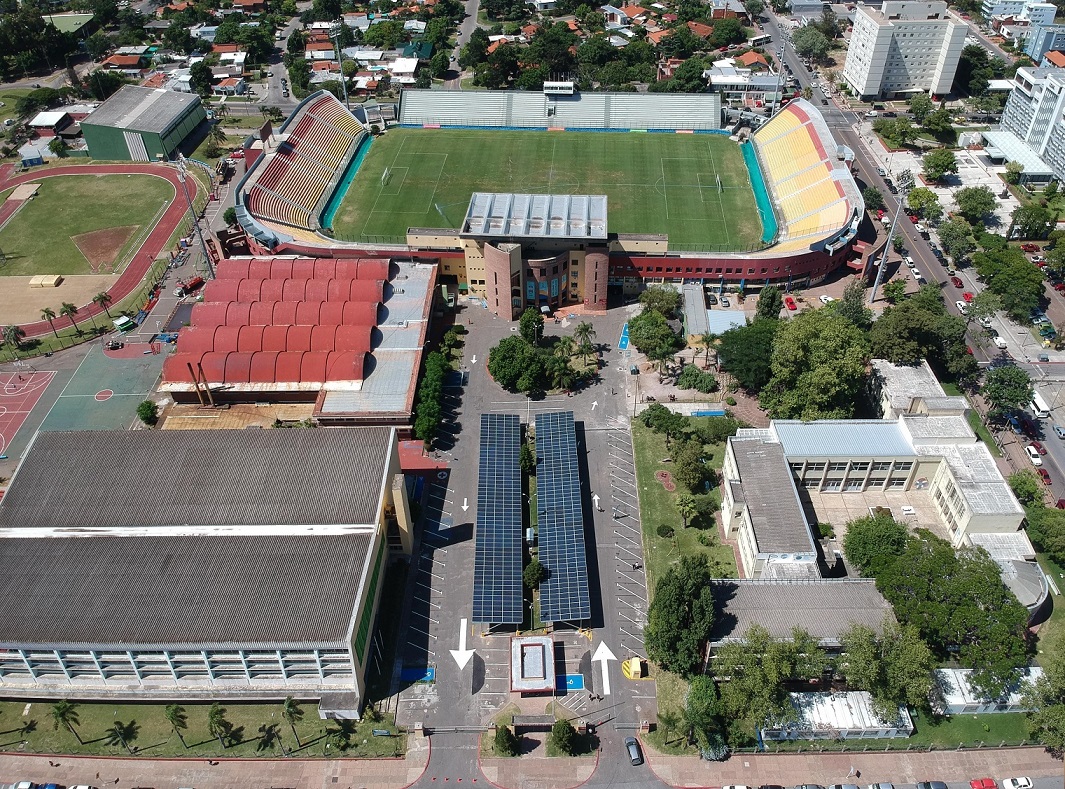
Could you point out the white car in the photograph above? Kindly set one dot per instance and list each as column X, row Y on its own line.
column 1033, row 455
column 999, row 343
column 1017, row 783
column 909, row 262
column 825, row 298
column 872, row 114
column 963, row 308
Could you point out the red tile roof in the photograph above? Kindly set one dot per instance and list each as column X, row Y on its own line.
column 751, row 58
column 121, row 61
column 1056, row 58
column 632, row 11
column 657, row 36
column 701, row 30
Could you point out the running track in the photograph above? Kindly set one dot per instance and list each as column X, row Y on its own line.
column 153, row 246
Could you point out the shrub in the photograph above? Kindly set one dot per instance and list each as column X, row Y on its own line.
column 564, row 737
column 534, row 574
column 148, row 412
column 730, row 400
column 691, row 377
column 505, row 743
column 665, row 531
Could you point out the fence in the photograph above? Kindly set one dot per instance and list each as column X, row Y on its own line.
column 890, row 746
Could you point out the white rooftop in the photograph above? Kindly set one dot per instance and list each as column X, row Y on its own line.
column 1006, row 144
column 536, row 216
column 842, row 437
column 45, row 119
column 843, row 712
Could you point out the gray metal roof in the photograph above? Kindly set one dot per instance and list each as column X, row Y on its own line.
column 535, row 216
column 142, row 109
column 181, row 590
column 301, row 476
column 824, row 608
column 769, row 491
column 844, row 437
column 1009, row 146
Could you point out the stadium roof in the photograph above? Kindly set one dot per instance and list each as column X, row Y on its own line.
column 182, row 589
column 142, row 109
column 535, row 216
column 769, row 492
column 199, row 478
column 825, row 608
column 68, row 23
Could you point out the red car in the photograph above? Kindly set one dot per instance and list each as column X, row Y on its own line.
column 1030, row 247
column 956, row 282
column 1029, row 429
column 983, row 783
column 1061, row 504
column 1059, row 287
column 1043, row 475
column 1042, row 450
column 789, row 302
column 880, row 213
column 913, row 218
column 967, row 296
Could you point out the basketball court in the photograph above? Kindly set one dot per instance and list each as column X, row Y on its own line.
column 19, row 393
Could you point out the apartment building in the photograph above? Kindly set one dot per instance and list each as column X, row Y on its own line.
column 903, row 48
column 1042, row 39
column 1035, row 12
column 1034, row 115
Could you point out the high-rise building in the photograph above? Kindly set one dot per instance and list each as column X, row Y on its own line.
column 903, row 48
column 1042, row 39
column 1034, row 113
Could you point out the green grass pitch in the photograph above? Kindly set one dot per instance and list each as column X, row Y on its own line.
column 655, row 183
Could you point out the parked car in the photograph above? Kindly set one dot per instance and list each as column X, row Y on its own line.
column 1029, row 428
column 789, row 302
column 1038, row 259
column 711, row 299
column 967, row 296
column 825, row 298
column 999, row 343
column 1059, row 431
column 1044, row 475
column 909, row 262
column 881, row 172
column 1061, row 504
column 1033, row 455
column 956, row 282
column 881, row 786
column 983, row 783
column 1030, row 247
column 632, row 747
column 1042, row 450
column 963, row 308
column 931, row 785
column 871, row 114
column 725, row 302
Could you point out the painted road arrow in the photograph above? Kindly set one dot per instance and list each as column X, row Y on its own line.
column 462, row 655
column 465, row 504
column 595, row 501
column 602, row 655
column 473, row 360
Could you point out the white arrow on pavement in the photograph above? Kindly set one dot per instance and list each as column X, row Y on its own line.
column 473, row 359
column 595, row 500
column 462, row 655
column 602, row 655
column 594, row 404
column 465, row 504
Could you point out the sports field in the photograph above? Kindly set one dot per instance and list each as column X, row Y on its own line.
column 81, row 224
column 655, row 183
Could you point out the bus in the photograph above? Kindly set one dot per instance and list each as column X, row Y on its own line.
column 1039, row 406
column 760, row 41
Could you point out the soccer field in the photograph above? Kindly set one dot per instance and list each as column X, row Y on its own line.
column 654, row 183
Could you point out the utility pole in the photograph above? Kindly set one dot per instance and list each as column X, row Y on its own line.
column 182, row 168
column 334, row 33
column 905, row 183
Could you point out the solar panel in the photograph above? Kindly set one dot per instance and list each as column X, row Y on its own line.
column 497, row 583
column 564, row 595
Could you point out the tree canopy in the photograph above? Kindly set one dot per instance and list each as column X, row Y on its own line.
column 1007, row 388
column 895, row 667
column 1012, row 277
column 810, row 43
column 770, row 303
column 955, row 236
column 936, row 164
column 874, row 541
column 926, row 203
column 662, row 299
column 975, row 203
column 745, row 352
column 681, row 616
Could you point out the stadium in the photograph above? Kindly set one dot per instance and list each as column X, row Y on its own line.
column 557, row 198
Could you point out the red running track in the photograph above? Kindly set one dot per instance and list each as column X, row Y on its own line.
column 143, row 258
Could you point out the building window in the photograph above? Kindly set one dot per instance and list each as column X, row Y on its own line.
column 837, row 466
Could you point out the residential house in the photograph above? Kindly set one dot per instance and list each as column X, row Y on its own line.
column 1053, row 59
column 666, row 68
column 126, row 64
column 231, row 86
column 752, row 60
column 175, row 8
column 250, row 6
column 701, row 30
column 614, row 15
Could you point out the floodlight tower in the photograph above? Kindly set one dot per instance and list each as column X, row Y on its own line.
column 905, row 184
column 182, row 170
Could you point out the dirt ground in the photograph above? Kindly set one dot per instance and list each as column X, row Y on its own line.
column 19, row 303
column 101, row 247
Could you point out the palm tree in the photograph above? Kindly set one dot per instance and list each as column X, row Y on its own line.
column 584, row 334
column 48, row 314
column 119, row 733
column 669, row 721
column 65, row 713
column 217, row 724
column 103, row 300
column 707, row 341
column 69, row 310
column 564, row 347
column 13, row 335
column 175, row 715
column 293, row 714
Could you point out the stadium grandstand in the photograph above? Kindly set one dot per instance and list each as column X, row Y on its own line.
column 286, row 186
column 817, row 203
column 307, row 330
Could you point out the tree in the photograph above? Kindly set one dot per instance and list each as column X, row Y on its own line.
column 98, row 45
column 649, row 331
column 691, row 470
column 895, row 667
column 148, row 412
column 229, row 216
column 873, row 197
column 429, row 411
column 65, row 713
column 475, row 51
column 809, row 42
column 48, row 314
column 531, row 326
column 505, row 742
column 745, row 352
column 921, row 106
column 975, row 203
column 1006, row 388
column 201, row 78
column 534, row 574
column 69, row 310
column 1029, row 492
column 818, row 367
column 681, row 615
column 925, row 202
column 1030, row 221
column 1009, row 275
column 920, row 328
column 584, row 334
column 526, row 459
column 852, row 306
column 59, row 147
column 938, row 163
column 662, row 299
column 955, row 236
column 872, row 541
column 687, row 507
column 178, row 720
column 770, row 303
column 754, row 8
column 939, row 123
column 509, row 360
column 975, row 69
column 293, row 714
column 217, row 725
column 103, row 301
column 13, row 336
column 1013, row 172
column 564, row 737
column 894, row 291
column 1045, row 698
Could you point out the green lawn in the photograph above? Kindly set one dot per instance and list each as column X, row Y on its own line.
column 655, row 183
column 38, row 239
column 152, row 734
column 1052, row 632
column 657, row 508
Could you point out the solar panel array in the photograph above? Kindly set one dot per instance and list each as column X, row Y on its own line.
column 497, row 583
column 564, row 595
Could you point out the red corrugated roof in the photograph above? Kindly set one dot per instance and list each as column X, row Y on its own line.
column 272, row 289
column 275, row 338
column 263, row 368
column 313, row 367
column 289, row 365
column 285, row 312
column 250, row 339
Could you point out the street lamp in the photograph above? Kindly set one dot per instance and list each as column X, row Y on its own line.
column 182, row 169
column 334, row 33
column 905, row 184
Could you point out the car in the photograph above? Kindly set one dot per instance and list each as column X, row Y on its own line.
column 967, row 296
column 1038, row 259
column 284, row 94
column 632, row 747
column 1015, row 425
column 1033, row 455
column 982, row 783
column 1044, row 476
column 24, row 785
column 1059, row 287
column 891, row 115
column 963, row 308
column 892, row 188
column 269, row 73
column 881, row 171
column 880, row 213
column 1042, row 450
column 917, row 275
column 881, row 786
column 999, row 343
column 956, row 282
column 711, row 299
column 735, row 786
column 789, row 302
column 825, row 298
column 725, row 302
column 872, row 114
column 844, row 786
column 914, row 219
column 931, row 785
column 1030, row 247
